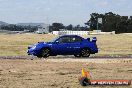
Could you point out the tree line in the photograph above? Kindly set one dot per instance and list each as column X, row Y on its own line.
column 53, row 27
column 60, row 26
column 110, row 22
column 14, row 27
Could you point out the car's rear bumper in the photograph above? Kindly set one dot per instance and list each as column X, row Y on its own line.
column 94, row 51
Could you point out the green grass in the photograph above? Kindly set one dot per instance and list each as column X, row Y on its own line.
column 114, row 44
column 16, row 44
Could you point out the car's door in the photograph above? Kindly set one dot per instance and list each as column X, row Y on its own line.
column 75, row 44
column 61, row 47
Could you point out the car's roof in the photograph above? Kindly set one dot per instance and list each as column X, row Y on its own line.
column 70, row 35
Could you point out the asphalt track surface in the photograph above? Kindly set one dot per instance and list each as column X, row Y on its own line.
column 68, row 57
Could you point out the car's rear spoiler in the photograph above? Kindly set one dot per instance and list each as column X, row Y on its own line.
column 94, row 39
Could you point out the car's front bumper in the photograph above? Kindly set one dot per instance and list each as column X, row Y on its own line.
column 33, row 52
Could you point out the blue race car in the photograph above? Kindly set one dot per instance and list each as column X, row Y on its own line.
column 64, row 45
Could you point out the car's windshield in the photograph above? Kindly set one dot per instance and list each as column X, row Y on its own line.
column 53, row 40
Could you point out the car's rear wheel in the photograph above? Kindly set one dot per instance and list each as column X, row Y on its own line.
column 85, row 52
column 45, row 52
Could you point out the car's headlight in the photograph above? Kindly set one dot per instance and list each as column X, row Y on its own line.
column 33, row 47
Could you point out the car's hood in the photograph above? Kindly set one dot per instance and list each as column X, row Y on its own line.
column 45, row 42
column 39, row 44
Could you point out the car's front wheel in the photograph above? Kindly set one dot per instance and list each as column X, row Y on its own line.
column 77, row 55
column 45, row 52
column 39, row 56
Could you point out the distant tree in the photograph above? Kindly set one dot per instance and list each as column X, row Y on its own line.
column 130, row 17
column 92, row 23
column 110, row 22
column 129, row 26
column 84, row 28
column 69, row 27
column 57, row 26
column 50, row 28
column 77, row 28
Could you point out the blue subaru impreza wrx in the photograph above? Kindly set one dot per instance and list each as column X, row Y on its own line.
column 64, row 45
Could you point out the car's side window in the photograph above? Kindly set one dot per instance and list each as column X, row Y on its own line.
column 64, row 40
column 76, row 39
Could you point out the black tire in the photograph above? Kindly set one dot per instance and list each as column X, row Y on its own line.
column 85, row 52
column 45, row 52
column 84, row 81
column 77, row 56
column 39, row 56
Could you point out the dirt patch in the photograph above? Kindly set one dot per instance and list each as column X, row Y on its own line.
column 61, row 73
